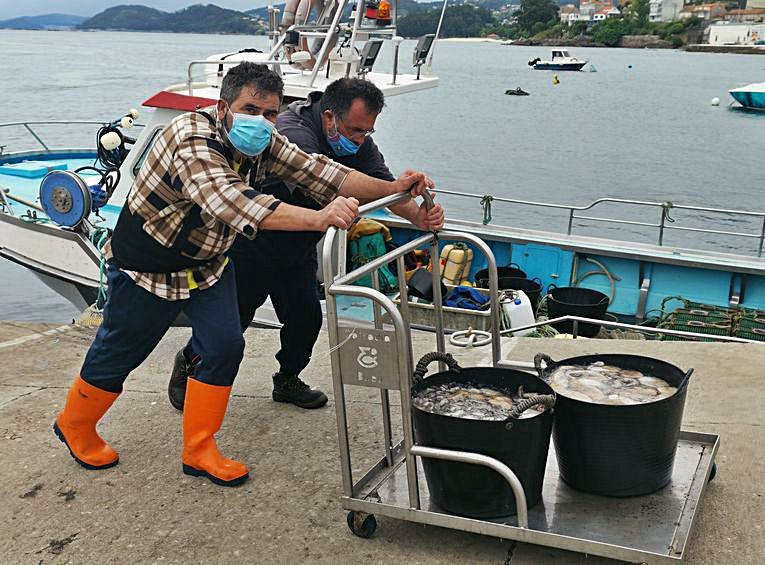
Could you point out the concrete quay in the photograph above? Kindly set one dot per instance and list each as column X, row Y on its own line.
column 145, row 510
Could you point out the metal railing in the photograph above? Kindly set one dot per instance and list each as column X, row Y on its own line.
column 40, row 138
column 36, row 135
column 663, row 224
column 220, row 62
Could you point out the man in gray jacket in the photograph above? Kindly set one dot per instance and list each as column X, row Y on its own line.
column 339, row 124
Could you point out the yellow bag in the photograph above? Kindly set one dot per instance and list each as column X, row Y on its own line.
column 456, row 260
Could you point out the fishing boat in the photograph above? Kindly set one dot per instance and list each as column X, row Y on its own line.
column 751, row 96
column 55, row 225
column 58, row 205
column 560, row 60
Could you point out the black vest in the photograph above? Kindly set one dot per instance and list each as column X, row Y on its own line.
column 135, row 250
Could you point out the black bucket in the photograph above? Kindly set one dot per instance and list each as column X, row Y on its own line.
column 575, row 301
column 618, row 450
column 512, row 271
column 472, row 490
column 420, row 284
column 531, row 287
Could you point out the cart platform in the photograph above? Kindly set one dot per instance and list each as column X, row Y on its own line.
column 645, row 529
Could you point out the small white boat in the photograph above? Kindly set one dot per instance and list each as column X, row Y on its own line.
column 560, row 61
column 751, row 96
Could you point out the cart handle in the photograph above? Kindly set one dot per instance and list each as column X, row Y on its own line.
column 428, row 358
column 486, row 461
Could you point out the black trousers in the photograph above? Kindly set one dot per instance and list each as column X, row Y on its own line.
column 281, row 265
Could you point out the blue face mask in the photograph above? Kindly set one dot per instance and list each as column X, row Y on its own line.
column 341, row 145
column 250, row 135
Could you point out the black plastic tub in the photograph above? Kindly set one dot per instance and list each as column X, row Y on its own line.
column 512, row 271
column 618, row 450
column 531, row 287
column 575, row 301
column 472, row 490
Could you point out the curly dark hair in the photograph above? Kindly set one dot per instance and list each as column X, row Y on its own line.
column 340, row 94
column 244, row 74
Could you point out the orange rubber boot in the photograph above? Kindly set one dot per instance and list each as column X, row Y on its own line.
column 76, row 425
column 203, row 413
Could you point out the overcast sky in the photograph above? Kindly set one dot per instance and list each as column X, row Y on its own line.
column 14, row 8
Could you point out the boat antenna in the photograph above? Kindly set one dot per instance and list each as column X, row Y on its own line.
column 438, row 32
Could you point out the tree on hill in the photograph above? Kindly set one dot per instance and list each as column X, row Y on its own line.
column 459, row 21
column 194, row 19
column 126, row 17
column 533, row 12
column 640, row 10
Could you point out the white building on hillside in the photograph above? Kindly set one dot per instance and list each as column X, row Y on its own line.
column 750, row 4
column 736, row 34
column 665, row 10
column 566, row 11
column 605, row 13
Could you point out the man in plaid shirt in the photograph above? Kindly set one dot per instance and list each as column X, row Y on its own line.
column 191, row 198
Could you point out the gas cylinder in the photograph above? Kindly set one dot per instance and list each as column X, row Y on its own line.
column 456, row 260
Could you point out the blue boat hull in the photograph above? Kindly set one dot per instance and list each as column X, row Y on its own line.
column 561, row 67
column 642, row 279
column 752, row 100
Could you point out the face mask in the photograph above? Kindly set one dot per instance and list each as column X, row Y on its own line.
column 341, row 145
column 250, row 135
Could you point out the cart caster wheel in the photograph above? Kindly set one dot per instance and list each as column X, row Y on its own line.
column 712, row 472
column 361, row 524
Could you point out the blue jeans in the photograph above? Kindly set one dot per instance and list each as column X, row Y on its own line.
column 135, row 321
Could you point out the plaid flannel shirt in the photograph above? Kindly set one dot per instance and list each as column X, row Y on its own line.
column 190, row 167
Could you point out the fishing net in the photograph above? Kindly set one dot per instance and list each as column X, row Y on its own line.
column 713, row 320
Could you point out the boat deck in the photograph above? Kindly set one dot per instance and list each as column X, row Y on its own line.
column 145, row 510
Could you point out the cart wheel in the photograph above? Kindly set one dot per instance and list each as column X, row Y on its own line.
column 712, row 473
column 361, row 524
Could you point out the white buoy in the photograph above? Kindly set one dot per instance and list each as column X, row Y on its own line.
column 715, row 101
column 300, row 56
column 126, row 122
column 110, row 141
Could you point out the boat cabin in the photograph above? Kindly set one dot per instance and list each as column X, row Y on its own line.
column 560, row 54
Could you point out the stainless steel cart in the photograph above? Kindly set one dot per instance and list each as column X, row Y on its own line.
column 647, row 529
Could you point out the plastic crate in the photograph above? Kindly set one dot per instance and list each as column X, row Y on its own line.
column 751, row 328
column 697, row 321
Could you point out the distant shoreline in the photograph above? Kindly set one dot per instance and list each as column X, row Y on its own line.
column 693, row 48
column 470, row 40
column 118, row 30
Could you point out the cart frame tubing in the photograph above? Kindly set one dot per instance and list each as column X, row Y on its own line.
column 337, row 283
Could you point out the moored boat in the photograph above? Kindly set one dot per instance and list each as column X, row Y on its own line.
column 751, row 96
column 559, row 61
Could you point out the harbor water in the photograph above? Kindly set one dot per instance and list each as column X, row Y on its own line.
column 641, row 127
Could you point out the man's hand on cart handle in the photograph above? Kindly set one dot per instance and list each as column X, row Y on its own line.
column 416, row 182
column 339, row 213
